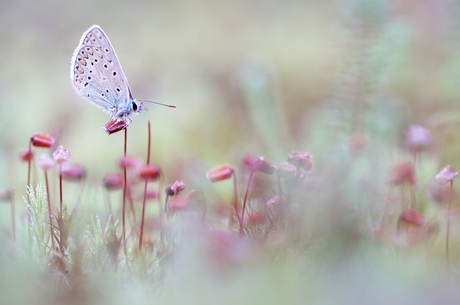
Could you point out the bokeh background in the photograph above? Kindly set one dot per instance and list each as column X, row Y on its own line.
column 255, row 78
column 247, row 77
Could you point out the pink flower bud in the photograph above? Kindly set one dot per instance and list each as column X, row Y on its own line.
column 128, row 161
column 45, row 162
column 220, row 173
column 174, row 188
column 447, row 174
column 177, row 204
column 26, row 155
column 149, row 171
column 264, row 165
column 6, row 194
column 402, row 173
column 417, row 137
column 249, row 162
column 61, row 155
column 301, row 159
column 71, row 171
column 42, row 140
column 113, row 181
column 115, row 125
column 411, row 218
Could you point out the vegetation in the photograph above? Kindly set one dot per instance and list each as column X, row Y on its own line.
column 320, row 169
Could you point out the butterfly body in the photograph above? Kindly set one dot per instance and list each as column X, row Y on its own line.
column 97, row 75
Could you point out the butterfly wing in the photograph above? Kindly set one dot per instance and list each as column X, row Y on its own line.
column 96, row 73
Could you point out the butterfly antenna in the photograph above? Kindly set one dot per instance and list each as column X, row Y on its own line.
column 170, row 106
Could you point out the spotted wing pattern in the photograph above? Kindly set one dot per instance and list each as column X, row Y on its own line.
column 97, row 74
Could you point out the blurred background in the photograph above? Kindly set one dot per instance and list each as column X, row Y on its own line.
column 226, row 65
column 248, row 77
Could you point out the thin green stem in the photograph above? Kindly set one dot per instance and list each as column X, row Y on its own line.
column 49, row 209
column 245, row 200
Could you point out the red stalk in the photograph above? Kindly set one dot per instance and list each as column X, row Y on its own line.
column 235, row 202
column 124, row 191
column 448, row 225
column 60, row 224
column 145, row 187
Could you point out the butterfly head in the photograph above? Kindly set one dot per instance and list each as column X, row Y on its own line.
column 136, row 106
column 125, row 111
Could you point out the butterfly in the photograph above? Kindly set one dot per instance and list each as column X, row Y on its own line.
column 97, row 75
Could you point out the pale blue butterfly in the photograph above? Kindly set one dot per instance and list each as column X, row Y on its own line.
column 97, row 75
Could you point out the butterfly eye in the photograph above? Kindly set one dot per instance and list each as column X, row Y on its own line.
column 136, row 106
